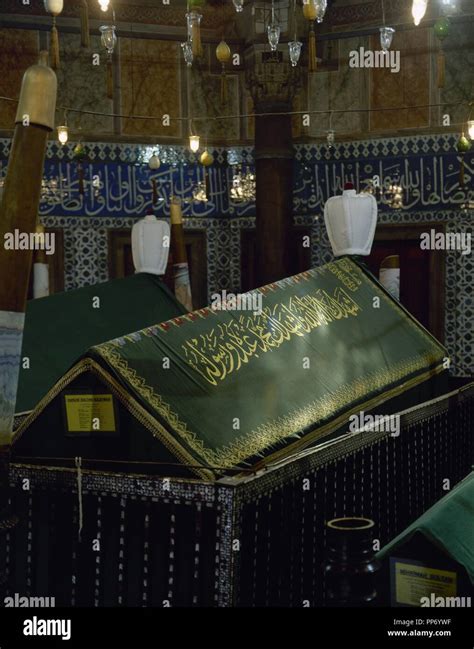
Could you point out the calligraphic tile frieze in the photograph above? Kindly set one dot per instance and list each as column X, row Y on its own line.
column 118, row 180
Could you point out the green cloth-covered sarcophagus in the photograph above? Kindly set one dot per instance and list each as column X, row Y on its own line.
column 62, row 327
column 205, row 453
column 431, row 563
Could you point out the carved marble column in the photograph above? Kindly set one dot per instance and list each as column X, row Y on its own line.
column 273, row 84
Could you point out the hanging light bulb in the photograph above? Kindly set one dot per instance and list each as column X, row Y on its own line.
column 320, row 6
column 194, row 143
column 294, row 46
column 418, row 10
column 104, row 4
column 295, row 52
column 386, row 36
column 449, row 7
column 470, row 128
column 273, row 31
column 187, row 53
column 194, row 32
column 108, row 38
column 239, row 5
column 63, row 134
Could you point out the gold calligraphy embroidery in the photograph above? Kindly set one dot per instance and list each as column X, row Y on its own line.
column 344, row 272
column 223, row 350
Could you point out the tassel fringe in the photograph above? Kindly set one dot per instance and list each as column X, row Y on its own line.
column 196, row 41
column 54, row 47
column 312, row 63
column 85, row 36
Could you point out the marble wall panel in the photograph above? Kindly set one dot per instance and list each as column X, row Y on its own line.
column 409, row 86
column 19, row 49
column 150, row 85
column 82, row 85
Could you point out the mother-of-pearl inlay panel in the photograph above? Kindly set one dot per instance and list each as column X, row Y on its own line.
column 11, row 334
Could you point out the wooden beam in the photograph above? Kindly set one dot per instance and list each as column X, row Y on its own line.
column 18, row 211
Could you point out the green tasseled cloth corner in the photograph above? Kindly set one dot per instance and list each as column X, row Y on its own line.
column 449, row 524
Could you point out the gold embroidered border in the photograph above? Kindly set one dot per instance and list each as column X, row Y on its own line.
column 265, row 435
column 131, row 404
column 348, row 266
column 158, row 431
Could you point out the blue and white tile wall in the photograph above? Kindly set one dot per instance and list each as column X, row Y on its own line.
column 118, row 191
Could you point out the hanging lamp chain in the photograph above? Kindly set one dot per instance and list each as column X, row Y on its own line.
column 294, row 17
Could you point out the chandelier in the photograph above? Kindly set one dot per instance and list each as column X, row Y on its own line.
column 391, row 195
column 168, row 155
column 54, row 191
column 200, row 193
column 395, row 196
column 243, row 186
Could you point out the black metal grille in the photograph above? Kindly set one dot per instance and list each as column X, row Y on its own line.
column 252, row 542
column 393, row 481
